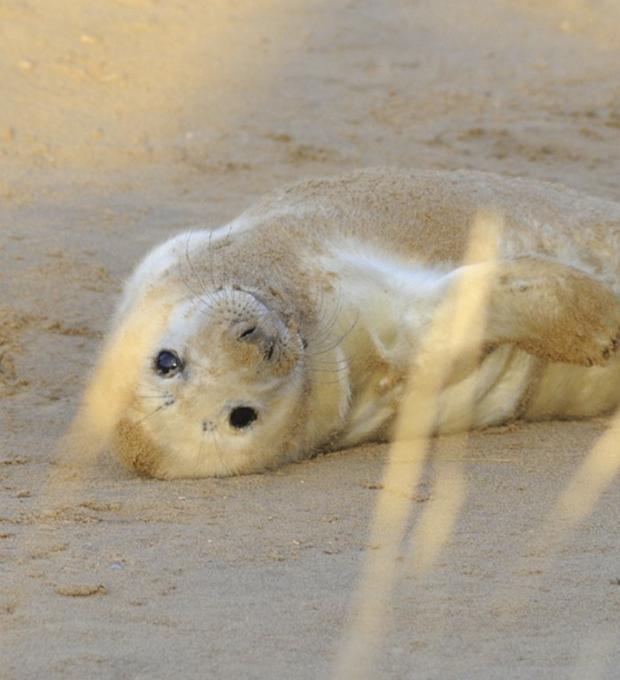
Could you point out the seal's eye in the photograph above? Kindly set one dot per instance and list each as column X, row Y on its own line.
column 242, row 416
column 168, row 363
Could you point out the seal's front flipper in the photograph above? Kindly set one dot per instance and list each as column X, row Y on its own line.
column 551, row 310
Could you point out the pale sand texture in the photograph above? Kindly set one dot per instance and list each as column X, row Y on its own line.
column 124, row 121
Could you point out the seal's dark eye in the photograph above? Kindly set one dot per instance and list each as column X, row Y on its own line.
column 168, row 363
column 242, row 416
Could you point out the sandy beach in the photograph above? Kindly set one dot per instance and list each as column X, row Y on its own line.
column 126, row 121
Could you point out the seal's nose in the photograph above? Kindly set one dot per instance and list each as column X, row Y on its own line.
column 246, row 330
column 255, row 333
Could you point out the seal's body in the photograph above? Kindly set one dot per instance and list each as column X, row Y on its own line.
column 293, row 328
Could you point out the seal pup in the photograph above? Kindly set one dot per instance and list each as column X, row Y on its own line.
column 292, row 329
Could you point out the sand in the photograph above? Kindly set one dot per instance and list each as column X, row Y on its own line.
column 125, row 121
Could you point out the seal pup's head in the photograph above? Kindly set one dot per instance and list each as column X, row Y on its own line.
column 216, row 367
column 218, row 391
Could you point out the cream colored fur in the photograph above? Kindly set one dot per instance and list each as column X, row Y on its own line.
column 308, row 311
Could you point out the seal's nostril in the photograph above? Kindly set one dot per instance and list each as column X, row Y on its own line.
column 246, row 333
column 264, row 338
column 269, row 351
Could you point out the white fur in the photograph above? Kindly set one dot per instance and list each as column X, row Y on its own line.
column 378, row 303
